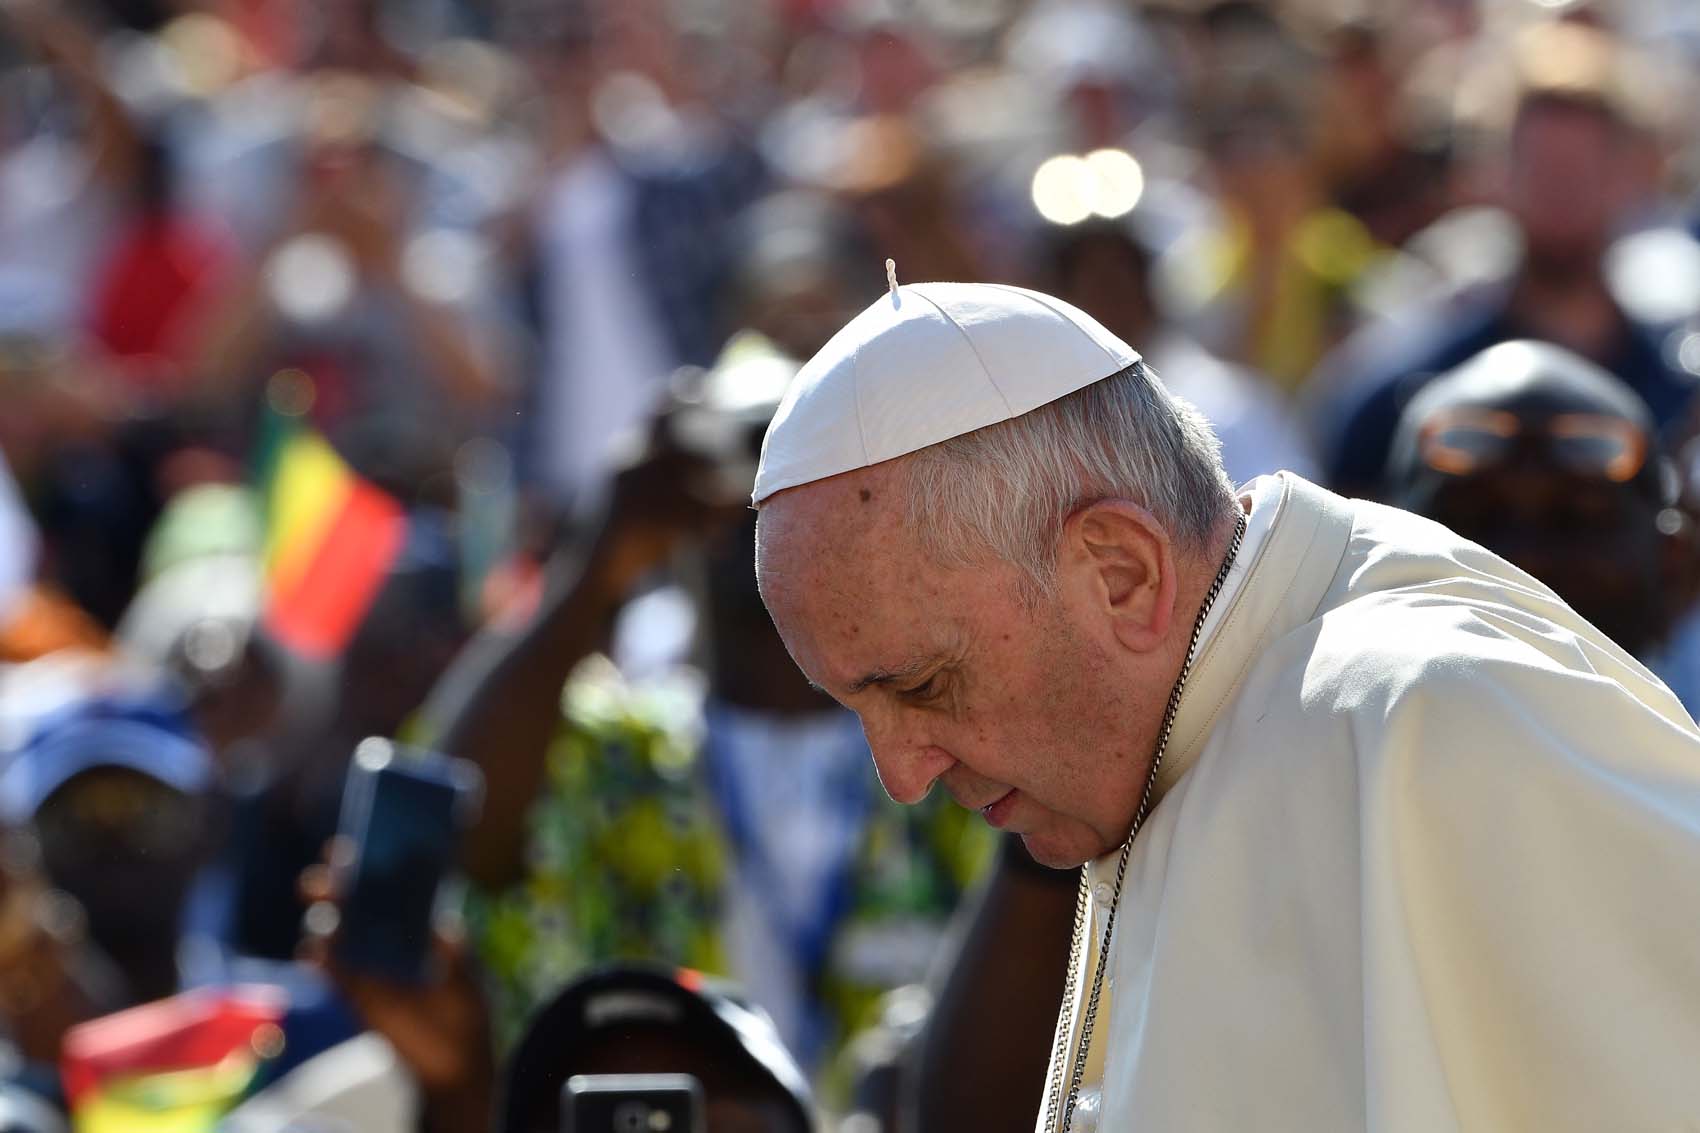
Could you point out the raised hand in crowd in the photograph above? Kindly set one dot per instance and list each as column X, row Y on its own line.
column 440, row 1031
column 500, row 703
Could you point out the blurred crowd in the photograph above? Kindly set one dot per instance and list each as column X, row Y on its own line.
column 398, row 368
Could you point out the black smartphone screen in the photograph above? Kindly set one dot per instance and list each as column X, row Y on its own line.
column 402, row 811
column 632, row 1103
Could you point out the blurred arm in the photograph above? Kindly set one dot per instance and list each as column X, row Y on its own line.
column 61, row 40
column 983, row 1053
column 440, row 1029
column 499, row 704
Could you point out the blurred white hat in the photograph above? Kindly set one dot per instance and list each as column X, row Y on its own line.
column 927, row 362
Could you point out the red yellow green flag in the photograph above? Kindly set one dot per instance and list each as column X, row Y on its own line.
column 331, row 538
column 175, row 1066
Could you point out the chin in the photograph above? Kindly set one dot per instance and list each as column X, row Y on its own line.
column 1059, row 852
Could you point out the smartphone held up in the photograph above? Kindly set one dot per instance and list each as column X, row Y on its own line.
column 403, row 810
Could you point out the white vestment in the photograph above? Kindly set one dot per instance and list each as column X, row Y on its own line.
column 1426, row 857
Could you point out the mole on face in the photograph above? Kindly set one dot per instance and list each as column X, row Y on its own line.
column 866, row 495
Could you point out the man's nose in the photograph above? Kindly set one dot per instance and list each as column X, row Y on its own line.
column 906, row 768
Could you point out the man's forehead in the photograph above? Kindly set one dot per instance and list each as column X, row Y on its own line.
column 839, row 513
column 846, row 583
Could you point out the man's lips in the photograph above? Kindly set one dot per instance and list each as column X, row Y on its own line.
column 997, row 812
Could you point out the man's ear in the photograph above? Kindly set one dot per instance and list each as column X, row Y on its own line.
column 1117, row 562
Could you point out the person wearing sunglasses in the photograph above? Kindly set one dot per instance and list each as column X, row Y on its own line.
column 1553, row 463
column 1571, row 180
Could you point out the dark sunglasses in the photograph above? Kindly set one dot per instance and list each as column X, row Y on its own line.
column 1461, row 441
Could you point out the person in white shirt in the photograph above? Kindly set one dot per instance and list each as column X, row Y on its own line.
column 1377, row 832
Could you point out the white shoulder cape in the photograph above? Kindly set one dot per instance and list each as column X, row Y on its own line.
column 1427, row 858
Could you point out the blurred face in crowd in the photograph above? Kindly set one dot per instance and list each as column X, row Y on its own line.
column 894, row 71
column 802, row 315
column 126, row 846
column 349, row 35
column 1558, row 491
column 1098, row 110
column 565, row 69
column 1101, row 271
column 1567, row 182
column 1039, row 710
column 1357, row 103
column 1259, row 167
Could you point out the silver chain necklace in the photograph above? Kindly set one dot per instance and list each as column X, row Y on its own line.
column 1055, row 1098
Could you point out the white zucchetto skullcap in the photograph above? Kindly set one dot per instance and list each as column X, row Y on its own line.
column 925, row 363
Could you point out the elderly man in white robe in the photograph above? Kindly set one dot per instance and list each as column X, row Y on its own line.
column 1377, row 833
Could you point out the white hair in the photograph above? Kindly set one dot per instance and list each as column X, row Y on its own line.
column 1004, row 491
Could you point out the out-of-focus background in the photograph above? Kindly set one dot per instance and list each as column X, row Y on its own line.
column 397, row 368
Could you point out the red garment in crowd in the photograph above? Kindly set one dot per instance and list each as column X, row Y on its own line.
column 150, row 292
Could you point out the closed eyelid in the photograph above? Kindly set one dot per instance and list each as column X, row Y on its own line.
column 918, row 670
column 937, row 683
column 923, row 686
column 889, row 677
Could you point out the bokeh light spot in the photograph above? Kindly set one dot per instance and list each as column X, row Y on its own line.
column 1062, row 190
